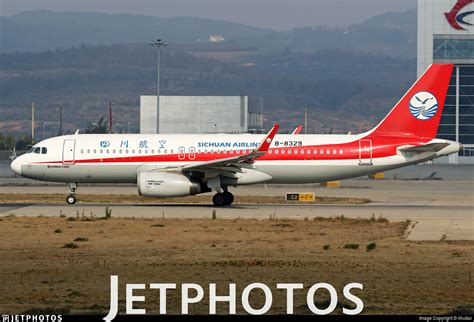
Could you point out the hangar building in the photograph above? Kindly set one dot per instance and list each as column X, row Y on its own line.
column 446, row 35
column 202, row 114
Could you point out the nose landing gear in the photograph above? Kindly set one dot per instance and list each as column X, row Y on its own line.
column 71, row 199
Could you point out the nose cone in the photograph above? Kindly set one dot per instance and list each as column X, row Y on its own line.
column 16, row 166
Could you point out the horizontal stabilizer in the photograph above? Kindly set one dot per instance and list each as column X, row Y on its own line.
column 431, row 147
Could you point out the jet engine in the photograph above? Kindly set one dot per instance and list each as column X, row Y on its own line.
column 166, row 184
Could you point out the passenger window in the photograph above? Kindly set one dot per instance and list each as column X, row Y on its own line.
column 289, row 151
column 283, row 151
column 315, row 151
column 334, row 151
column 340, row 151
column 328, row 151
column 321, row 151
column 101, row 151
column 171, row 151
column 276, row 151
column 88, row 151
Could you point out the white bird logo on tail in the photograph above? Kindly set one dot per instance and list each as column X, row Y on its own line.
column 423, row 105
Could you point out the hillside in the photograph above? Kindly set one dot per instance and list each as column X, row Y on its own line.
column 348, row 77
column 46, row 30
column 332, row 84
column 390, row 34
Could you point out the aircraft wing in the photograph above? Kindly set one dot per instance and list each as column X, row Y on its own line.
column 236, row 163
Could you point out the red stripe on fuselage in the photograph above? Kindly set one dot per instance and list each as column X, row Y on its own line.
column 381, row 147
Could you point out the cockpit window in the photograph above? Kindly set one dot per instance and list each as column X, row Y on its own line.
column 44, row 150
column 37, row 150
column 31, row 149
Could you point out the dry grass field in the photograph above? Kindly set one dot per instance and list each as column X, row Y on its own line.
column 38, row 273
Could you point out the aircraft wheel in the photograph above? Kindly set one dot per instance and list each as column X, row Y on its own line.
column 218, row 200
column 228, row 198
column 71, row 200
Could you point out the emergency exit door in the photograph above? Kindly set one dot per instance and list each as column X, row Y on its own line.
column 68, row 151
column 181, row 153
column 365, row 152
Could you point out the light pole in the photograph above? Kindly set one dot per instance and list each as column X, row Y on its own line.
column 158, row 43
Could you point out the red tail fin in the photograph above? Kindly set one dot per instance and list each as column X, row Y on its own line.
column 419, row 111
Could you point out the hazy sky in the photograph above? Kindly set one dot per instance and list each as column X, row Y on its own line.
column 277, row 14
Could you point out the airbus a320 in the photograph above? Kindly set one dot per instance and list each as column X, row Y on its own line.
column 173, row 165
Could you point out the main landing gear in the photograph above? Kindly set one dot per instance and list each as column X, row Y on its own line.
column 223, row 199
column 71, row 199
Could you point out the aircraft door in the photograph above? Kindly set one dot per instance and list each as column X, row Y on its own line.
column 365, row 152
column 192, row 153
column 181, row 153
column 68, row 151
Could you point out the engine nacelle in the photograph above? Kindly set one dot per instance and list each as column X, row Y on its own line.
column 166, row 184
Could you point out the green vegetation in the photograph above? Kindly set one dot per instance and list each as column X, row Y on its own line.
column 70, row 245
column 108, row 213
column 8, row 142
column 100, row 127
column 351, row 246
column 81, row 239
column 371, row 246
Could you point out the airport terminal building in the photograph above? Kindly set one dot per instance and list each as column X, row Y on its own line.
column 202, row 114
column 446, row 35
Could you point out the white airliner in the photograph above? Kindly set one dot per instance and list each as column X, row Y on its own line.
column 171, row 165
